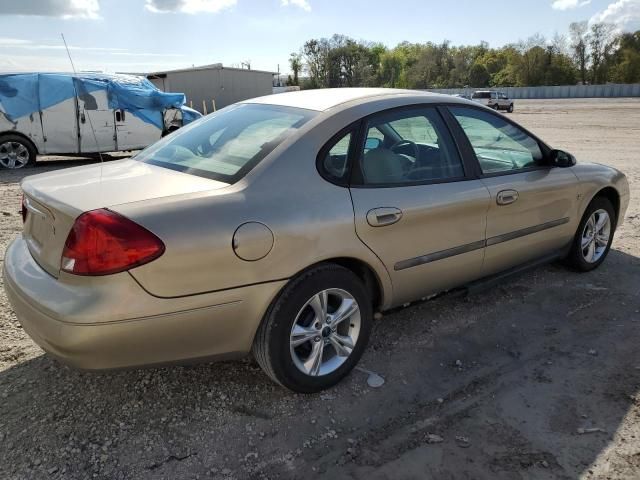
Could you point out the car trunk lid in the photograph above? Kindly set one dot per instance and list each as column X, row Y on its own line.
column 54, row 200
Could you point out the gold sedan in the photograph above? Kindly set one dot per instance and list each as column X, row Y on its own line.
column 279, row 225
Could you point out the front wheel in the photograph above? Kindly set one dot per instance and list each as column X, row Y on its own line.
column 594, row 236
column 16, row 152
column 316, row 330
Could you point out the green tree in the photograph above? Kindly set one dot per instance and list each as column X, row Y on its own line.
column 295, row 63
column 316, row 55
column 626, row 62
column 479, row 76
column 595, row 54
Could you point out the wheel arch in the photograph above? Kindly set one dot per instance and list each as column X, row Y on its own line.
column 613, row 196
column 365, row 272
column 22, row 135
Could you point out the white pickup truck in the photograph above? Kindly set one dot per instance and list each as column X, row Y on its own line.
column 79, row 114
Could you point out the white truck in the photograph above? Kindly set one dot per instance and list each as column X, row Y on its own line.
column 80, row 114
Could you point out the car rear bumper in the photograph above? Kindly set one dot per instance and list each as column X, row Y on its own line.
column 111, row 322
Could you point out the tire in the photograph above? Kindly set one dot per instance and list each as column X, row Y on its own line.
column 496, row 107
column 16, row 152
column 580, row 258
column 510, row 109
column 284, row 363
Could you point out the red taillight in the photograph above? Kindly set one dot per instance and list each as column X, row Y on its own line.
column 102, row 242
column 23, row 210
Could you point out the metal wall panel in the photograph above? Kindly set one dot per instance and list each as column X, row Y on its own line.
column 222, row 85
column 559, row 91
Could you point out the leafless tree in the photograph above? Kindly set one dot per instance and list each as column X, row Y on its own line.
column 579, row 32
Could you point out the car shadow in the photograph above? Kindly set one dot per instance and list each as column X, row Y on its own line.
column 494, row 385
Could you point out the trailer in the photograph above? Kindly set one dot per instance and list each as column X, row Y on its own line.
column 80, row 114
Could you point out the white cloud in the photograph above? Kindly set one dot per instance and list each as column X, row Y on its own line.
column 569, row 4
column 51, row 8
column 19, row 43
column 188, row 6
column 303, row 4
column 21, row 47
column 60, row 63
column 624, row 14
column 13, row 42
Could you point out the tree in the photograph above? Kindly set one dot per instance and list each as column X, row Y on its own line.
column 626, row 63
column 579, row 33
column 479, row 76
column 316, row 55
column 602, row 45
column 595, row 54
column 295, row 62
column 392, row 65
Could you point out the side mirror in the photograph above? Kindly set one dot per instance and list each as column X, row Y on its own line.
column 562, row 159
column 372, row 143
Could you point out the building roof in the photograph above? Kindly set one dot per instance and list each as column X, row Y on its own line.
column 214, row 66
column 326, row 98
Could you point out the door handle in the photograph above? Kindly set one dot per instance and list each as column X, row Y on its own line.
column 383, row 216
column 506, row 197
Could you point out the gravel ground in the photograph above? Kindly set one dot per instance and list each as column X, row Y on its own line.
column 538, row 377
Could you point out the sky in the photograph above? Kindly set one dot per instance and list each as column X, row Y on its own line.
column 152, row 35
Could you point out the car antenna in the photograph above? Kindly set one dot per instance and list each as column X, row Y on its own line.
column 73, row 67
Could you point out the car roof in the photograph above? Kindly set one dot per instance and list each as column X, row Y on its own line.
column 326, row 98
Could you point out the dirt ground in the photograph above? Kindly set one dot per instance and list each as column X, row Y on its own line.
column 494, row 385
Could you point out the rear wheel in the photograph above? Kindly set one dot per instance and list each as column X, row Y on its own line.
column 316, row 330
column 594, row 236
column 510, row 110
column 16, row 152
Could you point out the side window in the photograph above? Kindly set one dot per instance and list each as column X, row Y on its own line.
column 499, row 145
column 415, row 147
column 334, row 162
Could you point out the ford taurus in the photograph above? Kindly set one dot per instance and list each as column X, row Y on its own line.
column 278, row 227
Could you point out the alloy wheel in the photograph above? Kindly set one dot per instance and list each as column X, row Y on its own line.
column 325, row 332
column 13, row 155
column 595, row 236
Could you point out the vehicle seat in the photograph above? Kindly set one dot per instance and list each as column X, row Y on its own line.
column 381, row 165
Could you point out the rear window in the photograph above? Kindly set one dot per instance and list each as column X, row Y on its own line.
column 481, row 95
column 227, row 144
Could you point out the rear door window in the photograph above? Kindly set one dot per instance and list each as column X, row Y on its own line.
column 335, row 161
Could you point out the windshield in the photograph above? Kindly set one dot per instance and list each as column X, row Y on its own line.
column 227, row 144
column 482, row 95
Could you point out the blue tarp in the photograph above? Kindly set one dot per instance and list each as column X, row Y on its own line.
column 19, row 95
column 24, row 94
